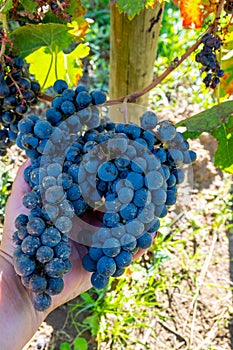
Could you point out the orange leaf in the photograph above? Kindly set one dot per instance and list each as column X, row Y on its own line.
column 191, row 13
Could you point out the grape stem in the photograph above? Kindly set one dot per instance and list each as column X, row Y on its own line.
column 45, row 97
column 173, row 65
column 17, row 87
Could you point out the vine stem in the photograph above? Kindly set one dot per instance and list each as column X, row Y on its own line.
column 173, row 65
column 45, row 97
column 131, row 97
column 3, row 19
column 3, row 47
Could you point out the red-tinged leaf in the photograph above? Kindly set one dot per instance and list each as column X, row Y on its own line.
column 191, row 13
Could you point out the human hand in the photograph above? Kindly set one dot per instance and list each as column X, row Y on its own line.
column 78, row 279
column 17, row 313
column 75, row 282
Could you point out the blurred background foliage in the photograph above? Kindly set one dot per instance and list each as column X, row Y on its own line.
column 174, row 40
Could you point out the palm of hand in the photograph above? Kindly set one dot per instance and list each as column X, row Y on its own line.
column 77, row 280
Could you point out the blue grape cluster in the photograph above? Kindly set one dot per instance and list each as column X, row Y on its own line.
column 42, row 254
column 81, row 161
column 207, row 57
column 17, row 93
column 138, row 182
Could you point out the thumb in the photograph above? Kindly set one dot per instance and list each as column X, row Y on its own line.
column 14, row 205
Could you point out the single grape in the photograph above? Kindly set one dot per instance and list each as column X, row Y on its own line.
column 37, row 283
column 44, row 254
column 106, row 266
column 42, row 301
column 144, row 241
column 54, row 286
column 123, row 260
column 99, row 281
column 50, row 237
column 55, row 268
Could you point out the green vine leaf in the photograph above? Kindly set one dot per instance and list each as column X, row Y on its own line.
column 48, row 65
column 28, row 5
column 133, row 7
column 30, row 38
column 191, row 135
column 218, row 121
column 209, row 119
column 6, row 5
column 223, row 157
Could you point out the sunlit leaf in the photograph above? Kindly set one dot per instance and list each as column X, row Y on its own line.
column 191, row 13
column 78, row 27
column 48, row 66
column 228, row 38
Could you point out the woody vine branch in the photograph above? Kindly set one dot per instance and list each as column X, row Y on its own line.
column 173, row 65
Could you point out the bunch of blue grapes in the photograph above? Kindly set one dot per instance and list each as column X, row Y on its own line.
column 138, row 181
column 208, row 58
column 17, row 93
column 81, row 162
column 41, row 257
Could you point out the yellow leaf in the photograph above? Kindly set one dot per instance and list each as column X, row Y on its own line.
column 48, row 66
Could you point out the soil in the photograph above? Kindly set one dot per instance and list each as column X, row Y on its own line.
column 199, row 314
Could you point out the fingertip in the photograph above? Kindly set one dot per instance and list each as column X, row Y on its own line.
column 139, row 254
